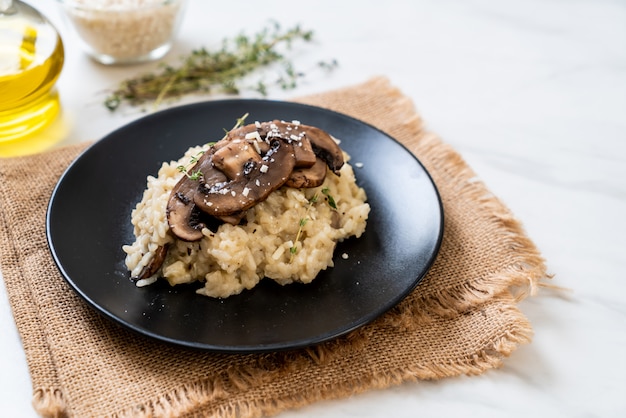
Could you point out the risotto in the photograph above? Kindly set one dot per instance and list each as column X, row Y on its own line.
column 288, row 236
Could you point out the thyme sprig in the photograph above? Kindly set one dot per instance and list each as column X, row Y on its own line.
column 330, row 198
column 205, row 72
column 238, row 123
column 303, row 221
column 197, row 175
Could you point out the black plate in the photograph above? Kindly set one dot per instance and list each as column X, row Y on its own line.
column 88, row 221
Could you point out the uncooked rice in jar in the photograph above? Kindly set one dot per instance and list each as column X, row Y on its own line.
column 235, row 258
column 124, row 29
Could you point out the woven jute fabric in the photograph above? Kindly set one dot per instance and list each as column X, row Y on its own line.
column 463, row 319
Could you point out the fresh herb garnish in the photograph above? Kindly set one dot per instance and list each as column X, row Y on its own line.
column 197, row 175
column 204, row 71
column 238, row 123
column 331, row 200
column 303, row 221
column 293, row 249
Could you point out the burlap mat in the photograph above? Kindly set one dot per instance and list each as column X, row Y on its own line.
column 462, row 319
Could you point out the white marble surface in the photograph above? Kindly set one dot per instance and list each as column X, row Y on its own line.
column 533, row 95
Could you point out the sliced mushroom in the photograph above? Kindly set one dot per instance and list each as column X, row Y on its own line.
column 263, row 132
column 181, row 214
column 236, row 160
column 308, row 177
column 325, row 148
column 183, row 217
column 244, row 168
column 321, row 143
column 155, row 264
column 303, row 151
column 257, row 181
column 234, row 219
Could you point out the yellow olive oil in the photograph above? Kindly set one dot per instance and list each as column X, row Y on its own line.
column 31, row 59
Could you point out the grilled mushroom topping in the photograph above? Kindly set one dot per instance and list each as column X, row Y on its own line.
column 325, row 148
column 254, row 181
column 245, row 167
column 309, row 176
column 155, row 264
column 183, row 216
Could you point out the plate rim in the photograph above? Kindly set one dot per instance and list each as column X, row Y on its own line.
column 274, row 347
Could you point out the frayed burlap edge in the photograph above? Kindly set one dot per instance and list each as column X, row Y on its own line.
column 522, row 279
column 49, row 403
column 193, row 400
column 527, row 269
column 48, row 397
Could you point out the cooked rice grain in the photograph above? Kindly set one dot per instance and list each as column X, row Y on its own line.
column 235, row 258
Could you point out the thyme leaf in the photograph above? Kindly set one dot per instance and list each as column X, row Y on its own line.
column 205, row 72
column 331, row 199
column 293, row 249
column 197, row 175
column 313, row 200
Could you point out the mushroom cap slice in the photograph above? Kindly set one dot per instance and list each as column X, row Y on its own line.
column 183, row 217
column 308, row 177
column 303, row 151
column 325, row 147
column 234, row 219
column 258, row 180
column 246, row 166
column 235, row 159
column 181, row 214
column 155, row 264
column 263, row 132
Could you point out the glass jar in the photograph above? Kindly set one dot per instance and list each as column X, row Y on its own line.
column 31, row 60
column 124, row 31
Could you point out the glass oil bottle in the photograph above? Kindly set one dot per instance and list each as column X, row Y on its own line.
column 31, row 59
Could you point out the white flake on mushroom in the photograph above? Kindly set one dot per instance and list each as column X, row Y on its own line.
column 270, row 132
column 253, row 135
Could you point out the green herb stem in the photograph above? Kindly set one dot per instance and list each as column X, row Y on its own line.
column 197, row 175
column 303, row 221
column 204, row 71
